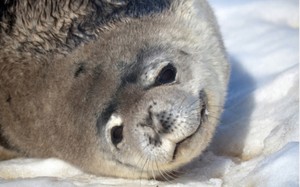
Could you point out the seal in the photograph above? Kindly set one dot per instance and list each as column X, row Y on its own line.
column 130, row 89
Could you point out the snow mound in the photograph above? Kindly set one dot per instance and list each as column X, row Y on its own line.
column 257, row 141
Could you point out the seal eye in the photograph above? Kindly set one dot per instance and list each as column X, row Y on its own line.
column 117, row 134
column 166, row 75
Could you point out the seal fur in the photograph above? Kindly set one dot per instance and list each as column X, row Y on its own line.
column 117, row 88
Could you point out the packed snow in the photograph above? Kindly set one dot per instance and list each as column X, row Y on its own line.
column 257, row 142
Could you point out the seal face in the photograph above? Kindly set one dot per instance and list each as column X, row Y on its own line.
column 152, row 116
column 139, row 99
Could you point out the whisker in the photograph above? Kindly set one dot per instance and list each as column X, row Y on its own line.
column 162, row 175
column 217, row 118
column 142, row 171
column 216, row 105
column 153, row 175
column 170, row 175
column 193, row 103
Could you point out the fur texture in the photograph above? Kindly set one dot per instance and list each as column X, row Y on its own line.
column 118, row 88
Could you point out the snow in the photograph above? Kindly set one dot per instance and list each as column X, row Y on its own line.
column 257, row 142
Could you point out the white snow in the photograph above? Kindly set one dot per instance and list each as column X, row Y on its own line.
column 257, row 142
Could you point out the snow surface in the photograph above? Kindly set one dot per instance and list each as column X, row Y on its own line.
column 257, row 141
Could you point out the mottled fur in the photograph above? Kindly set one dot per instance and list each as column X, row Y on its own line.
column 67, row 67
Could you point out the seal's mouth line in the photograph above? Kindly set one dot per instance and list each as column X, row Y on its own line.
column 203, row 117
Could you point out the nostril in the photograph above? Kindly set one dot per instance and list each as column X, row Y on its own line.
column 117, row 134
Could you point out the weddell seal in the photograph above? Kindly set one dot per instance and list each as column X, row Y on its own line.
column 122, row 88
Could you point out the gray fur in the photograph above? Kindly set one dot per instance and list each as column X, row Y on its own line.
column 71, row 75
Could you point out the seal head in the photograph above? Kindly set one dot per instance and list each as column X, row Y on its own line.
column 136, row 98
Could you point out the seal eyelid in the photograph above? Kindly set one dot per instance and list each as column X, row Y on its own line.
column 166, row 75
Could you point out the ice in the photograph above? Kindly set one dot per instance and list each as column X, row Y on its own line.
column 283, row 163
column 257, row 142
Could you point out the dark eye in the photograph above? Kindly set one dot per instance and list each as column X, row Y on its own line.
column 166, row 75
column 116, row 134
